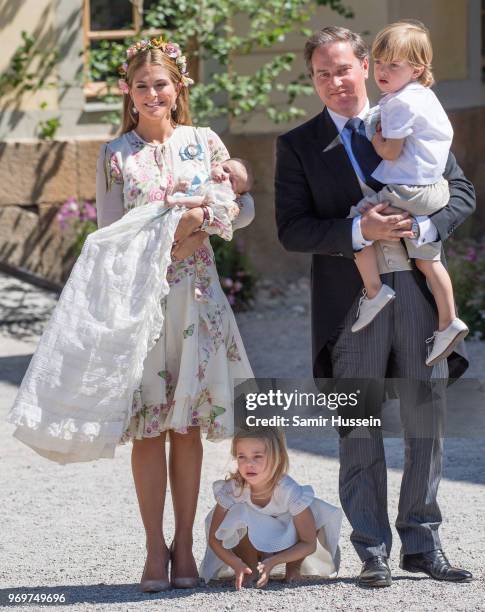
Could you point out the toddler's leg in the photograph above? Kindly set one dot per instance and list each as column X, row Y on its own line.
column 376, row 295
column 366, row 262
column 440, row 283
column 450, row 329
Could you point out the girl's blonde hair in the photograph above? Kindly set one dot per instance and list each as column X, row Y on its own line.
column 181, row 116
column 406, row 40
column 278, row 462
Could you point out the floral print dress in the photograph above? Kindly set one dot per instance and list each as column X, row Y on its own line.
column 188, row 376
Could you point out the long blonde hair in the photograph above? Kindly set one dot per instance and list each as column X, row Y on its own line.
column 277, row 454
column 181, row 116
column 409, row 41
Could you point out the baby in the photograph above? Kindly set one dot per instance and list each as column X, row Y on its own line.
column 413, row 141
column 228, row 180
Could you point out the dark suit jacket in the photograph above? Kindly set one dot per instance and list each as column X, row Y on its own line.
column 314, row 193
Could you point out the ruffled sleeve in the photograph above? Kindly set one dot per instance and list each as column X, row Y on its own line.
column 224, row 493
column 109, row 187
column 296, row 497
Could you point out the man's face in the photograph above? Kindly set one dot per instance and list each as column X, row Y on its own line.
column 339, row 78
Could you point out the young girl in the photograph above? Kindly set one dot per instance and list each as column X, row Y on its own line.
column 414, row 141
column 263, row 518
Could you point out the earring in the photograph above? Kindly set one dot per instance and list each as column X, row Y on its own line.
column 174, row 107
column 135, row 110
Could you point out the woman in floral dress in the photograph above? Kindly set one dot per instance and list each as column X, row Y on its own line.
column 188, row 376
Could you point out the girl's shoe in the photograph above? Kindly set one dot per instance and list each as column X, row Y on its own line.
column 445, row 341
column 155, row 586
column 180, row 583
column 369, row 308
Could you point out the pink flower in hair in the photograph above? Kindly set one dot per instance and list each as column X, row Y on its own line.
column 172, row 50
column 123, row 85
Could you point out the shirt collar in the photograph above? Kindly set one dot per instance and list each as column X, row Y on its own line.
column 340, row 120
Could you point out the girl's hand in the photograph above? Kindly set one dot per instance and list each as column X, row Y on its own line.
column 264, row 568
column 240, row 570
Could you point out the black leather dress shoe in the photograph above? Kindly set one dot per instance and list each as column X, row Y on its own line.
column 375, row 572
column 436, row 565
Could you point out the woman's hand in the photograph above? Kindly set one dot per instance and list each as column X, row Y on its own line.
column 264, row 568
column 186, row 248
column 240, row 570
column 189, row 222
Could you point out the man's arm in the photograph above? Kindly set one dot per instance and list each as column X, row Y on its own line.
column 299, row 228
column 461, row 204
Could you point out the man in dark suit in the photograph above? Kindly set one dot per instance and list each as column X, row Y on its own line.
column 324, row 167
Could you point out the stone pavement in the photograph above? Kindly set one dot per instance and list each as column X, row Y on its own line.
column 76, row 530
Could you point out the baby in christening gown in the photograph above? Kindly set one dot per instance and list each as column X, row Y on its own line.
column 228, row 180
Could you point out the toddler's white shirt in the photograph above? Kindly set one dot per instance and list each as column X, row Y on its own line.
column 415, row 113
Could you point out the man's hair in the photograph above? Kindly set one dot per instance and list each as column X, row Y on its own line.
column 333, row 34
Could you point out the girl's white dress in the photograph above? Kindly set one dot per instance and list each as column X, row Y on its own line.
column 270, row 528
column 137, row 344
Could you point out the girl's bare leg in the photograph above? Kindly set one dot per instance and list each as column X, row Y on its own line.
column 442, row 289
column 293, row 571
column 149, row 469
column 184, row 469
column 246, row 551
column 366, row 262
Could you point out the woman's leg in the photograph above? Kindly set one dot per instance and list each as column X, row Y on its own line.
column 184, row 469
column 149, row 468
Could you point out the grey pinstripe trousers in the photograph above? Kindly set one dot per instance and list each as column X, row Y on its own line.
column 394, row 343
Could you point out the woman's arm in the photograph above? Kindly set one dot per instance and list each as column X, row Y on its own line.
column 109, row 189
column 240, row 568
column 306, row 545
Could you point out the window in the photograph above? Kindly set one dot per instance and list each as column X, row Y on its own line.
column 104, row 27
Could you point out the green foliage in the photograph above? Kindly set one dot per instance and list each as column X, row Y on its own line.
column 48, row 129
column 29, row 68
column 220, row 31
column 235, row 272
column 466, row 264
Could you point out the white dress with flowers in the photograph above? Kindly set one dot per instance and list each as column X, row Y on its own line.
column 188, row 376
column 271, row 529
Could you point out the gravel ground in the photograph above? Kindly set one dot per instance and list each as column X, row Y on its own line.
column 75, row 530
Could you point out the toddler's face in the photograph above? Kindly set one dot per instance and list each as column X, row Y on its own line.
column 231, row 171
column 393, row 76
column 252, row 461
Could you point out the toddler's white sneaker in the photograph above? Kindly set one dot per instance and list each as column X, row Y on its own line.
column 445, row 341
column 370, row 308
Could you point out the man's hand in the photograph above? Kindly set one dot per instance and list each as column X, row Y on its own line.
column 190, row 221
column 240, row 570
column 187, row 247
column 376, row 225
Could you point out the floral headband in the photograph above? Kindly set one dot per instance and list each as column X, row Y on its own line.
column 170, row 49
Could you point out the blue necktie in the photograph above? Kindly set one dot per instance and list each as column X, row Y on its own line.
column 363, row 151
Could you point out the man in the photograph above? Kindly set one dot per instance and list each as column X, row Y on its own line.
column 323, row 168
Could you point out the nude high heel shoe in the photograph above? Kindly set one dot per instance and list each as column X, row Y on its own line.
column 180, row 583
column 155, row 586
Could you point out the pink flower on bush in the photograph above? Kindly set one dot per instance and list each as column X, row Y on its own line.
column 237, row 286
column 227, row 282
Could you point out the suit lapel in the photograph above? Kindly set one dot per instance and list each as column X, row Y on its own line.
column 336, row 159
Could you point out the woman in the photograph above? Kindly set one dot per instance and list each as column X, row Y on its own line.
column 187, row 380
column 180, row 371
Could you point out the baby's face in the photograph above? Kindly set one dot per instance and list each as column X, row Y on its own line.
column 393, row 76
column 233, row 172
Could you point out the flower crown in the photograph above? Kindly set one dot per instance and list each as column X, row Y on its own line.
column 171, row 49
